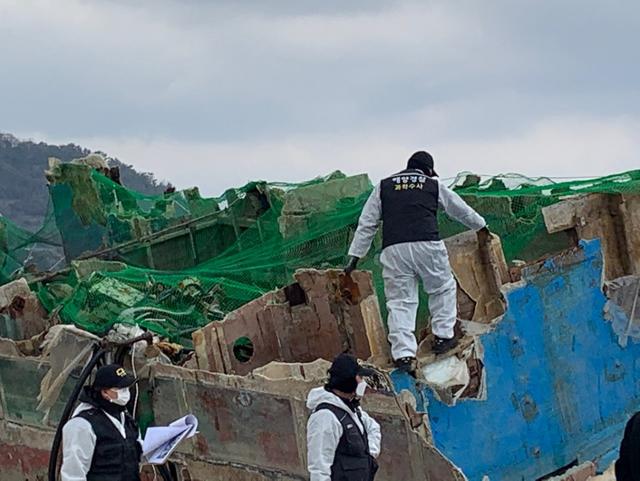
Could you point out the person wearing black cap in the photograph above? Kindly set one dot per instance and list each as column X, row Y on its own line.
column 101, row 441
column 342, row 440
column 407, row 204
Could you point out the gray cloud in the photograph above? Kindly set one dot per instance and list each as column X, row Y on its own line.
column 291, row 81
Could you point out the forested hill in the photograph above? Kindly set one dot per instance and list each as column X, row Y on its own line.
column 23, row 187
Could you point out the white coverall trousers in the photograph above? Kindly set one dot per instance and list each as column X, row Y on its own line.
column 402, row 266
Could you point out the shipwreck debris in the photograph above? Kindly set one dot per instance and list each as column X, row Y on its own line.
column 317, row 316
column 21, row 314
column 612, row 218
column 534, row 335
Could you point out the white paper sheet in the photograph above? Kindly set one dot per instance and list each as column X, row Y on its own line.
column 160, row 441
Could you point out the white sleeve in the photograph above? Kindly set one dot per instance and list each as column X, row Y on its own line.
column 367, row 225
column 323, row 435
column 78, row 444
column 373, row 433
column 458, row 209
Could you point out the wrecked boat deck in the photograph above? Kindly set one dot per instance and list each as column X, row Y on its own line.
column 542, row 384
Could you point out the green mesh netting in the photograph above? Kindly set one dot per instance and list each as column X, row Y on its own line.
column 174, row 303
column 218, row 254
column 20, row 248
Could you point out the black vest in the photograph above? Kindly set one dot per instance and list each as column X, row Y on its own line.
column 626, row 466
column 114, row 458
column 409, row 208
column 352, row 461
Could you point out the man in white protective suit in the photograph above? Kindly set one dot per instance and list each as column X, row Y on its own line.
column 343, row 441
column 407, row 204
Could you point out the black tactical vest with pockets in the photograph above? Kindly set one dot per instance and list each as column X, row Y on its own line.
column 114, row 458
column 352, row 460
column 409, row 202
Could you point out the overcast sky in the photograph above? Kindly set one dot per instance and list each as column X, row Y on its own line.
column 215, row 93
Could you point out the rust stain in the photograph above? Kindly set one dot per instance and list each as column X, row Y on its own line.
column 219, row 414
column 349, row 291
column 22, row 458
column 529, row 408
column 278, row 449
column 202, row 446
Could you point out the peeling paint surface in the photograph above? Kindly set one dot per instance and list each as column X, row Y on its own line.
column 559, row 389
column 563, row 394
column 260, row 424
column 22, row 462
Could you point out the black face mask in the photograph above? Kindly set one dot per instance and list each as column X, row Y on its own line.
column 353, row 403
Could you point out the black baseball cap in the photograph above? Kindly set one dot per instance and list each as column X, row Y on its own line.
column 343, row 372
column 113, row 375
column 422, row 160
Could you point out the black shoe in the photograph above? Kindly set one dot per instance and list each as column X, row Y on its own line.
column 406, row 364
column 441, row 345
